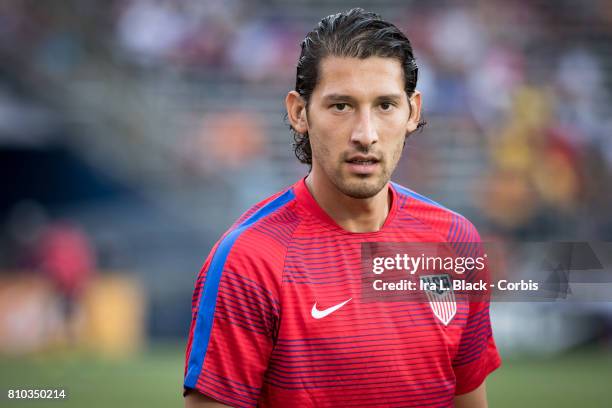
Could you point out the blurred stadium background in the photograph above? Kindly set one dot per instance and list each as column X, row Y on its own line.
column 133, row 132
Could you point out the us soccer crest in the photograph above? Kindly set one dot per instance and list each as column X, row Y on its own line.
column 439, row 292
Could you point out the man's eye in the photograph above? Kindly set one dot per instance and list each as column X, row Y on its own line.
column 340, row 106
column 386, row 106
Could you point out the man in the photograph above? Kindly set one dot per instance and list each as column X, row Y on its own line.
column 278, row 314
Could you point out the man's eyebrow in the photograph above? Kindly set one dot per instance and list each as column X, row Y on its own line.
column 338, row 97
column 343, row 98
column 390, row 97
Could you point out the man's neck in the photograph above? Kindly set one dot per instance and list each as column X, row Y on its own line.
column 352, row 214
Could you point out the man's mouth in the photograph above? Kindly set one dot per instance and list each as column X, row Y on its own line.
column 362, row 164
column 366, row 162
column 358, row 159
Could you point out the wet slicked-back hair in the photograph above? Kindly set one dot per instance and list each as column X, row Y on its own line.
column 354, row 34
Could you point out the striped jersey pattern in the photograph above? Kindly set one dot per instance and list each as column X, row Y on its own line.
column 253, row 340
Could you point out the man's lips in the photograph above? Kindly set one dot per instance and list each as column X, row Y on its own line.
column 362, row 159
column 362, row 164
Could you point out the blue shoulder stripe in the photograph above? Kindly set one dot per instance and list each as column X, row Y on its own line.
column 208, row 299
column 417, row 196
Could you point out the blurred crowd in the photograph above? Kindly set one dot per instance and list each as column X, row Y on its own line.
column 529, row 78
column 182, row 100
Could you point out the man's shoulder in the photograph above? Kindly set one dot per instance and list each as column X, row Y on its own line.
column 281, row 202
column 264, row 230
column 452, row 225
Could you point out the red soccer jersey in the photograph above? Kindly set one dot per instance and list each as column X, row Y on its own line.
column 278, row 317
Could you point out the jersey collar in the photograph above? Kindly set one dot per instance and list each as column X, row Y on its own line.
column 306, row 200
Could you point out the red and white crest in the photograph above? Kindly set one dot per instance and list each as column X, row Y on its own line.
column 439, row 292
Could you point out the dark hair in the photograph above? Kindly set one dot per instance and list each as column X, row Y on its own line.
column 355, row 33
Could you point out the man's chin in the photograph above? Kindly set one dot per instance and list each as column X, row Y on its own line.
column 362, row 189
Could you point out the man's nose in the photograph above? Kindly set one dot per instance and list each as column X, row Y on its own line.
column 364, row 132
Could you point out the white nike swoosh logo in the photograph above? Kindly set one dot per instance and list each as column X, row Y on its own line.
column 319, row 314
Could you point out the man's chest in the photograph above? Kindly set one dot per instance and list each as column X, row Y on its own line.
column 335, row 327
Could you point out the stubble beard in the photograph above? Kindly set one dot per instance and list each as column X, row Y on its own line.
column 367, row 186
column 361, row 187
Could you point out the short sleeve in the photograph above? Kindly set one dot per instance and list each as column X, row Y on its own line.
column 235, row 316
column 477, row 355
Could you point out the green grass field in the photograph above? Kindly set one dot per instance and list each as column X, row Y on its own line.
column 153, row 379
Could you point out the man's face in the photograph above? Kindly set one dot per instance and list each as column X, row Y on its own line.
column 358, row 118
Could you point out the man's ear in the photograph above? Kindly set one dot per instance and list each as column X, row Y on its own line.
column 296, row 112
column 415, row 112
